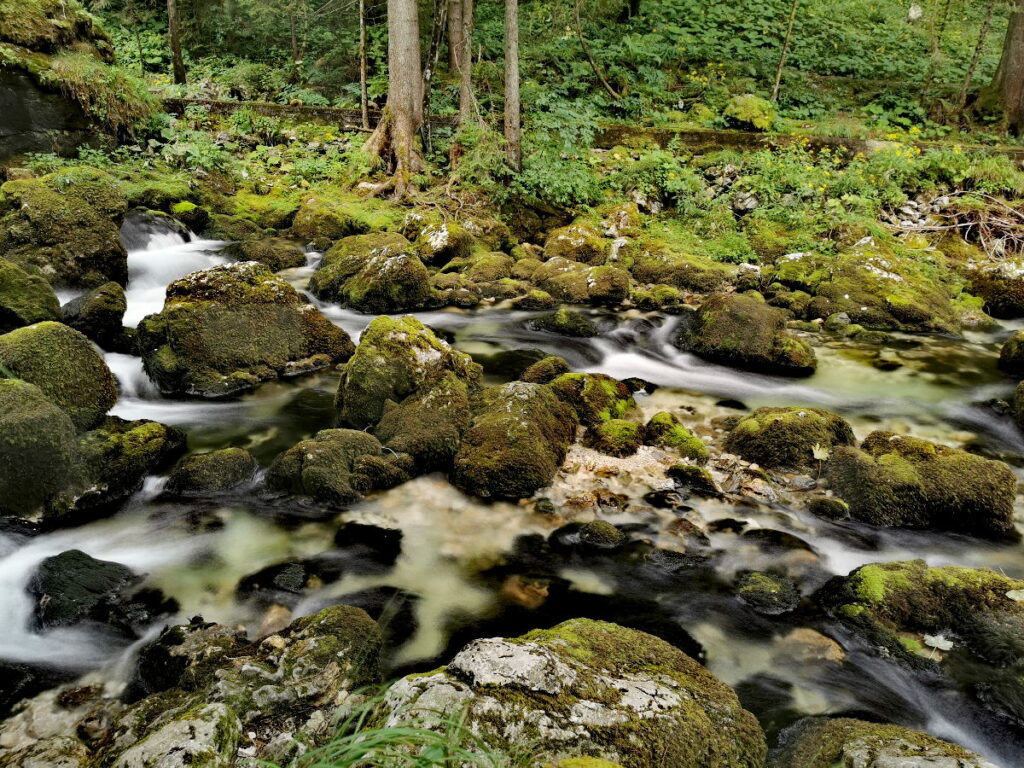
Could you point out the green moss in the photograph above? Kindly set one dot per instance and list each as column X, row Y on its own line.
column 212, row 472
column 490, row 267
column 1011, row 355
column 788, row 437
column 348, row 256
column 545, row 371
column 388, row 284
column 322, row 467
column 615, row 437
column 577, row 242
column 566, row 322
column 750, row 112
column 594, row 396
column 665, row 431
column 276, row 253
column 25, row 298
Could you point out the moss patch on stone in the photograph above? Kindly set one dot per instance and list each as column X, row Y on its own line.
column 664, row 430
column 788, row 437
column 594, row 396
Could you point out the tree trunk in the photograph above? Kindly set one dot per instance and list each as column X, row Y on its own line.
column 982, row 37
column 454, row 35
column 395, row 136
column 175, row 38
column 364, row 101
column 513, row 128
column 466, row 64
column 438, row 26
column 586, row 52
column 785, row 50
column 1009, row 80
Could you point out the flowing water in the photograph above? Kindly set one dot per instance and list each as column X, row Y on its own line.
column 198, row 553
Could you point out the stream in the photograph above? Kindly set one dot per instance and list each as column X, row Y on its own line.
column 932, row 387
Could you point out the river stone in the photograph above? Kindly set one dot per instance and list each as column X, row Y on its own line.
column 906, row 482
column 595, row 397
column 908, row 612
column 788, row 437
column 566, row 322
column 587, row 689
column 224, row 330
column 99, row 314
column 577, row 242
column 25, row 298
column 37, row 448
column 1011, row 355
column 820, row 742
column 348, row 256
column 325, row 466
column 66, row 368
column 742, row 331
column 213, row 472
column 1002, row 288
column 276, row 253
column 516, row 442
column 67, row 224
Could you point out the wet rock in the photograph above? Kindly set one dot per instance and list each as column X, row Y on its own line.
column 788, row 437
column 516, row 442
column 65, row 367
column 906, row 482
column 213, row 472
column 323, row 467
column 594, row 396
column 819, row 742
column 535, row 299
column 37, row 448
column 382, row 545
column 616, row 437
column 98, row 315
column 25, row 297
column 767, row 593
column 276, row 253
column 545, row 371
column 829, row 508
column 595, row 537
column 396, row 357
column 441, row 241
column 577, row 242
column 1011, row 355
column 1002, row 288
column 286, row 583
column 348, row 256
column 588, row 689
column 693, row 479
column 67, row 224
column 72, row 588
column 393, row 609
column 964, row 622
column 654, row 261
column 741, row 330
column 224, row 330
column 566, row 322
column 321, row 220
column 664, row 430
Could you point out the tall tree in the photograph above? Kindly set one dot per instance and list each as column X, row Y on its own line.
column 454, row 35
column 174, row 33
column 395, row 136
column 513, row 127
column 961, row 101
column 1009, row 81
column 466, row 63
column 364, row 101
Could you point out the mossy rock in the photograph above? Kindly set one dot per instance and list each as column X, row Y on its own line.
column 37, row 448
column 767, row 593
column 490, row 267
column 821, row 742
column 323, row 467
column 68, row 225
column 788, row 437
column 566, row 692
column 577, row 242
column 25, row 297
column 226, row 227
column 396, row 357
column 545, row 371
column 594, row 396
column 563, row 280
column 896, row 607
column 65, row 366
column 653, row 260
column 50, row 25
column 276, row 253
column 428, row 425
column 750, row 112
column 906, row 482
column 99, row 315
column 439, row 242
column 1011, row 355
column 516, row 442
column 320, row 219
column 1001, row 288
column 348, row 256
column 389, row 284
column 742, row 331
column 664, row 430
column 533, row 300
column 213, row 472
column 656, row 297
column 114, row 461
column 224, row 330
column 608, row 286
column 566, row 322
column 616, row 437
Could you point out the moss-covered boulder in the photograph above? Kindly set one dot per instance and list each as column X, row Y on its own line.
column 276, row 253
column 742, row 331
column 1001, row 287
column 65, row 366
column 25, row 297
column 515, row 443
column 99, row 315
column 906, row 482
column 821, row 742
column 396, row 357
column 664, row 430
column 577, row 242
column 441, row 241
column 967, row 623
column 67, row 224
column 788, row 437
column 1011, row 355
column 594, row 396
column 37, row 448
column 616, row 437
column 587, row 689
column 766, row 593
column 213, row 472
column 389, row 284
column 324, row 467
column 224, row 330
column 545, row 371
column 347, row 257
column 566, row 322
column 653, row 260
column 320, row 219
